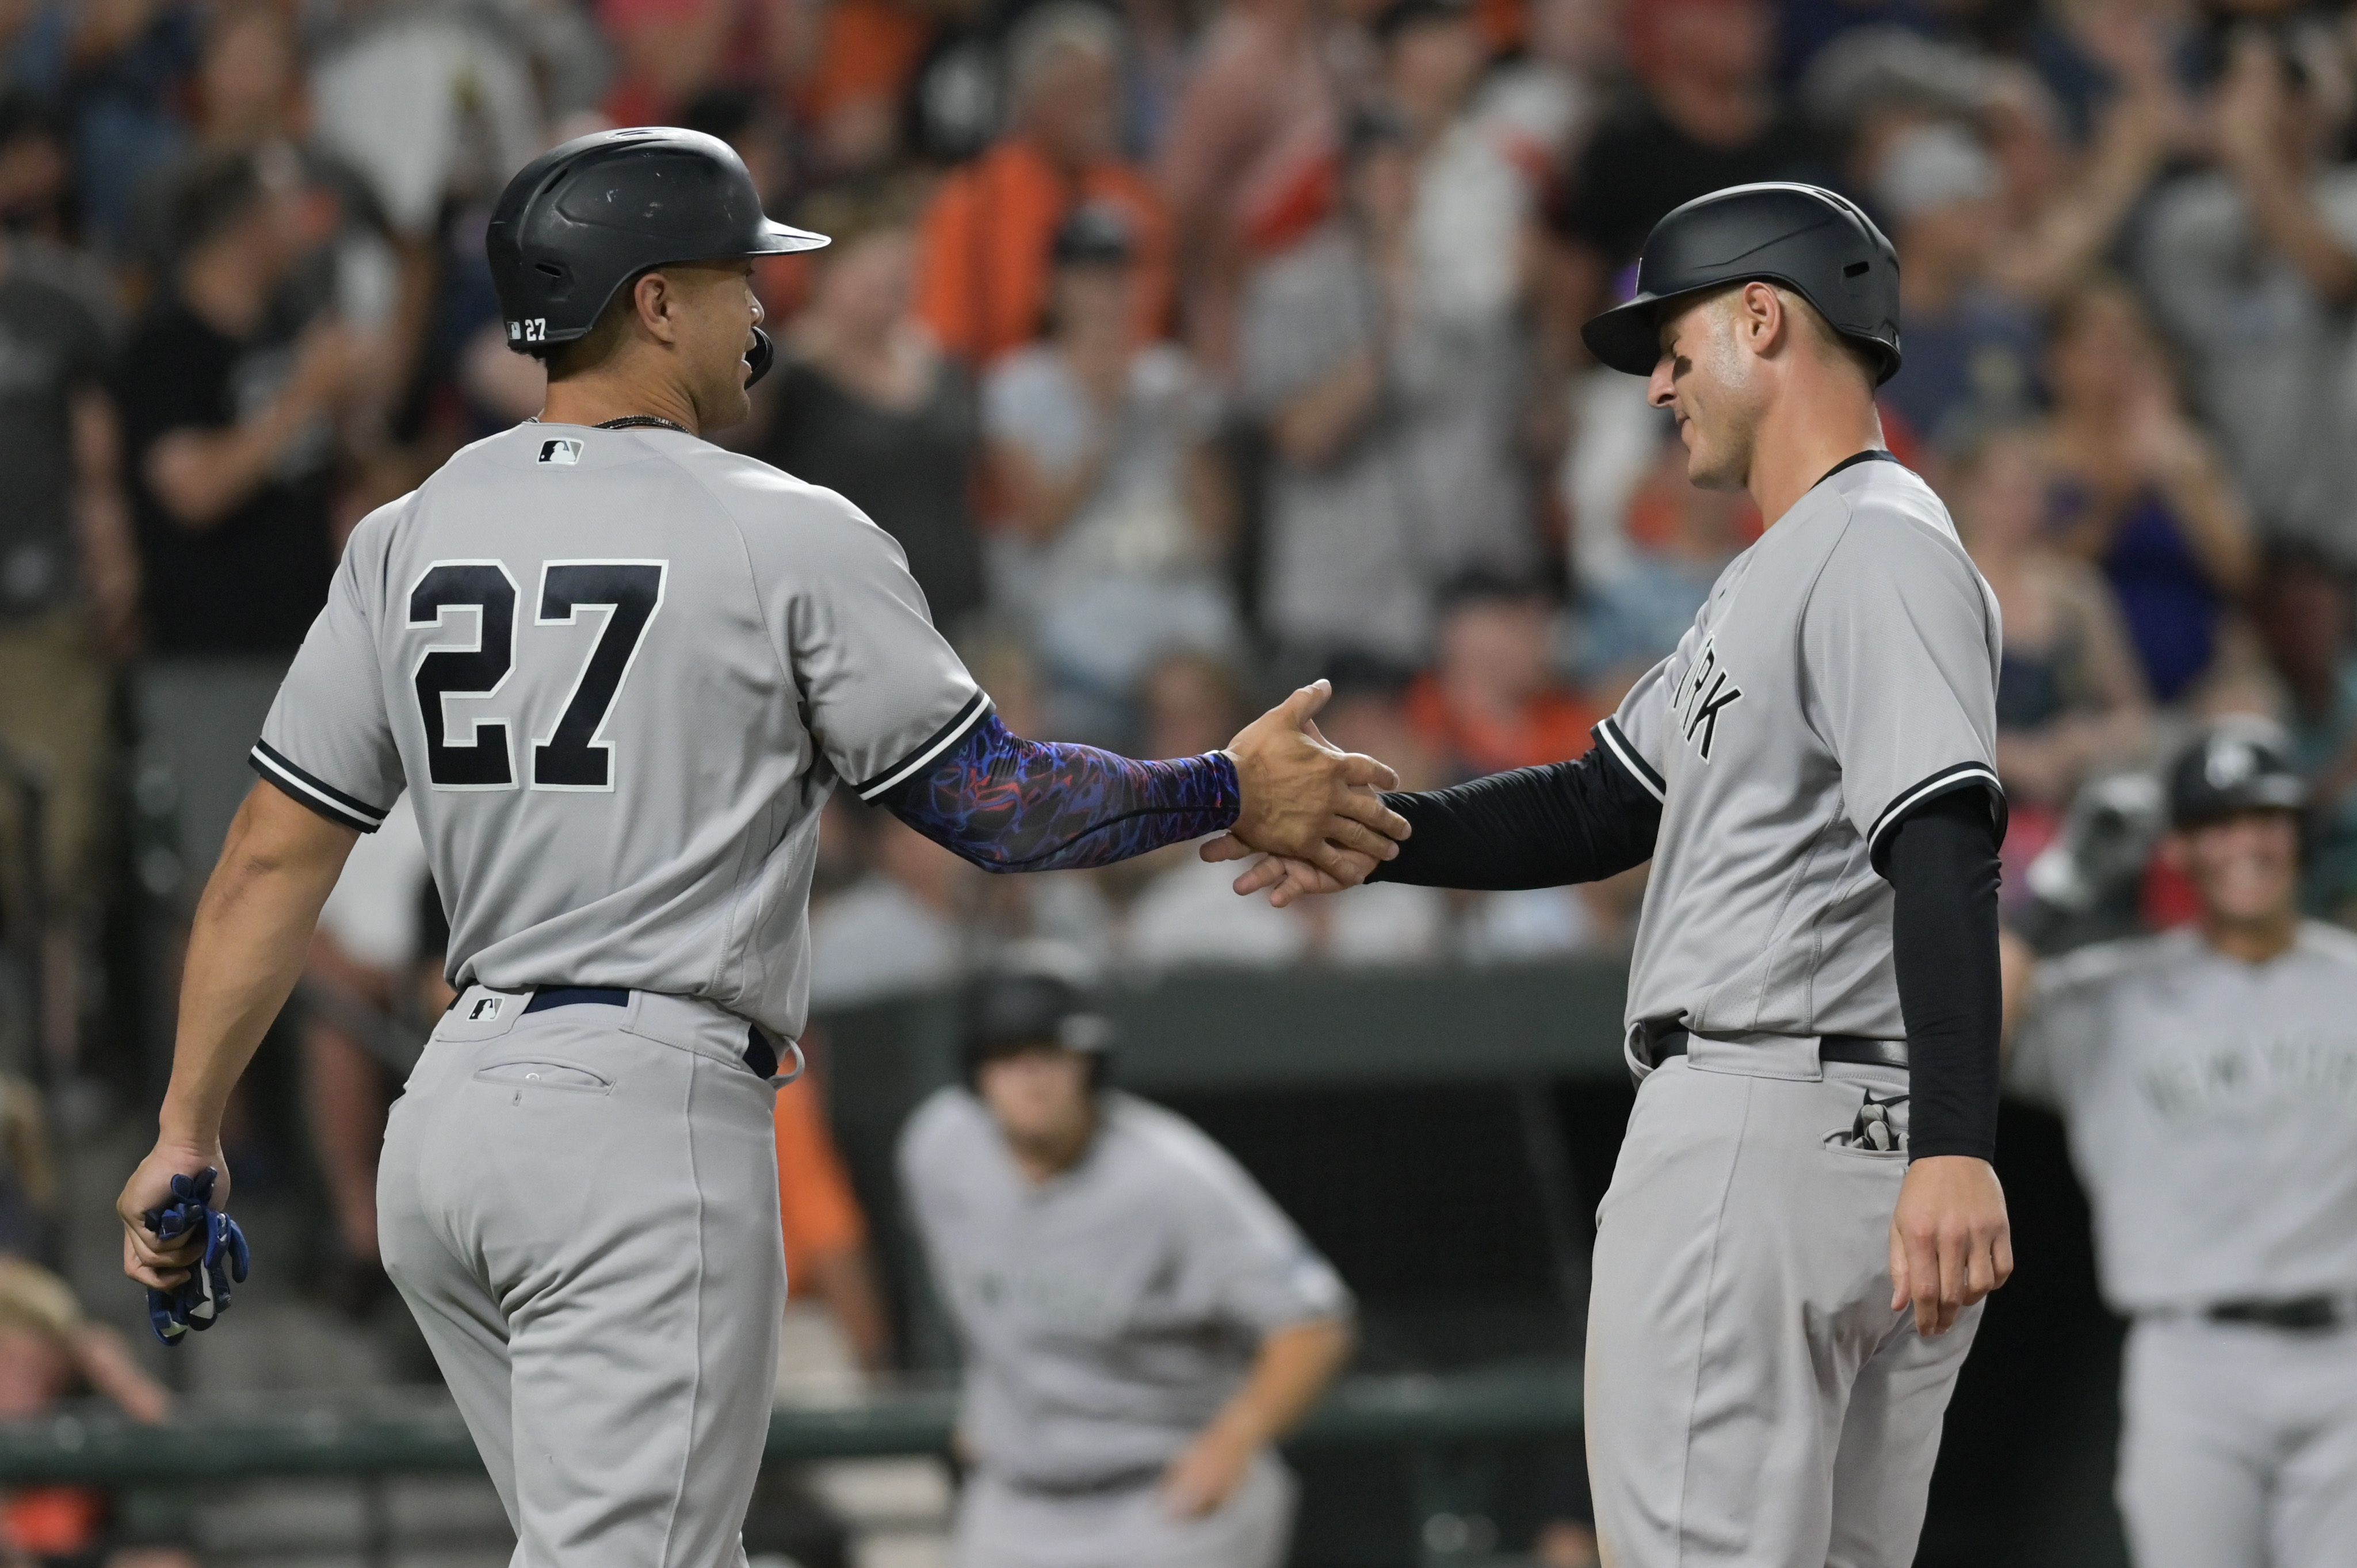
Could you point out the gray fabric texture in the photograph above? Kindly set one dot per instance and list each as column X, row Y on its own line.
column 2211, row 1107
column 789, row 649
column 580, row 1207
column 1843, row 672
column 1000, row 1526
column 2239, row 1446
column 1752, row 1400
column 1109, row 1313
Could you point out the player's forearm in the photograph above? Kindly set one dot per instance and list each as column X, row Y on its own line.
column 1943, row 866
column 1290, row 1375
column 1535, row 827
column 1009, row 804
column 246, row 949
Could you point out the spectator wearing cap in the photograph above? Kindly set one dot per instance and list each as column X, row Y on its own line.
column 1971, row 350
column 1391, row 389
column 984, row 272
column 1139, row 1323
column 1116, row 511
column 864, row 403
column 1492, row 700
column 2253, row 267
column 1705, row 115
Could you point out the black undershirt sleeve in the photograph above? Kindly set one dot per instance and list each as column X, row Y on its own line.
column 1943, row 866
column 1535, row 827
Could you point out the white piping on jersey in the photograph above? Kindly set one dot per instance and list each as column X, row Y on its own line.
column 1626, row 754
column 341, row 806
column 1940, row 783
column 955, row 732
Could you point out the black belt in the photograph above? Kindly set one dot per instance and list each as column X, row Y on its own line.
column 2300, row 1313
column 760, row 1055
column 1855, row 1049
column 1131, row 1480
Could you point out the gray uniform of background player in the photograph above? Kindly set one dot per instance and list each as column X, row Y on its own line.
column 1751, row 1396
column 587, row 1229
column 1106, row 1316
column 2213, row 1113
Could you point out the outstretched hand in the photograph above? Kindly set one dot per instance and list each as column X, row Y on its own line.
column 1306, row 799
column 1285, row 879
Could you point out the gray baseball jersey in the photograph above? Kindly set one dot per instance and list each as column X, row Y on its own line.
column 1108, row 1315
column 620, row 672
column 1842, row 672
column 2213, row 1113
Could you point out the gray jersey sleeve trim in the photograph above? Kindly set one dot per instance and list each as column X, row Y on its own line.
column 941, row 740
column 1962, row 776
column 320, row 796
column 1626, row 755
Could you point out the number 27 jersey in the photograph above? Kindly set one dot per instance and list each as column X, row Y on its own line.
column 619, row 672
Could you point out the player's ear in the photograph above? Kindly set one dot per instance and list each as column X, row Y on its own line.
column 1762, row 317
column 658, row 305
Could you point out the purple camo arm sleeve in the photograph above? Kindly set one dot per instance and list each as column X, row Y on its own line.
column 1010, row 804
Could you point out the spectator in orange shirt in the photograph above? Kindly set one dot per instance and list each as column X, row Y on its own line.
column 987, row 235
column 825, row 1232
column 1493, row 701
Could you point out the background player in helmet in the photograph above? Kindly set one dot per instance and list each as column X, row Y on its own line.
column 1814, row 1001
column 619, row 671
column 2207, row 1076
column 1139, row 1321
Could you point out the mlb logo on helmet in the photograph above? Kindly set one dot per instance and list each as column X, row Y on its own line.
column 2232, row 761
column 560, row 450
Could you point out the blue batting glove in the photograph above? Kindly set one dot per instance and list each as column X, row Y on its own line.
column 200, row 1299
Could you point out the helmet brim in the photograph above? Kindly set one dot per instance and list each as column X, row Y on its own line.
column 784, row 239
column 1628, row 338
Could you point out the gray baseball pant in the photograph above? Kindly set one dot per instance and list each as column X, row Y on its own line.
column 580, row 1206
column 2239, row 1445
column 1001, row 1526
column 1752, row 1400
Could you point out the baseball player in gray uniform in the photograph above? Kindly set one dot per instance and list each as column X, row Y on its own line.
column 618, row 671
column 1138, row 1320
column 1813, row 1002
column 2207, row 1076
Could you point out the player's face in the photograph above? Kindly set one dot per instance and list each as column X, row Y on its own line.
column 1040, row 1097
column 2246, row 866
column 1711, row 382
column 718, row 313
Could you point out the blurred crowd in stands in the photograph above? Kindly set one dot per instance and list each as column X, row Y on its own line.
column 1191, row 349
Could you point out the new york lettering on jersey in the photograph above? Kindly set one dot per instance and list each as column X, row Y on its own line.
column 1842, row 674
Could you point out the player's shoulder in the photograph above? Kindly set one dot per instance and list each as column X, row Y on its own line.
column 1181, row 1155
column 2331, row 944
column 765, row 500
column 944, row 1129
column 2087, row 971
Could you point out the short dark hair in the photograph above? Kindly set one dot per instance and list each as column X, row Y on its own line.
column 214, row 196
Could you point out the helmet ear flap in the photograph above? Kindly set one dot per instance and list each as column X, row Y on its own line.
column 763, row 356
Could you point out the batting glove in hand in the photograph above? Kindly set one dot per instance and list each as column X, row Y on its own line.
column 197, row 1301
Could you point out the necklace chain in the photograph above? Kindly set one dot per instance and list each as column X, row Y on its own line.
column 632, row 421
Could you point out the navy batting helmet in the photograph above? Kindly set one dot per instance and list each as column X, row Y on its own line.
column 1812, row 242
column 580, row 221
column 1039, row 995
column 2236, row 766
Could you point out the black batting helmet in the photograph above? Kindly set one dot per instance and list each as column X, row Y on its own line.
column 1812, row 242
column 2236, row 767
column 580, row 221
column 1039, row 995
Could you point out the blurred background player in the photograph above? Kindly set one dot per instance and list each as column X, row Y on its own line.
column 2209, row 1078
column 1139, row 1322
